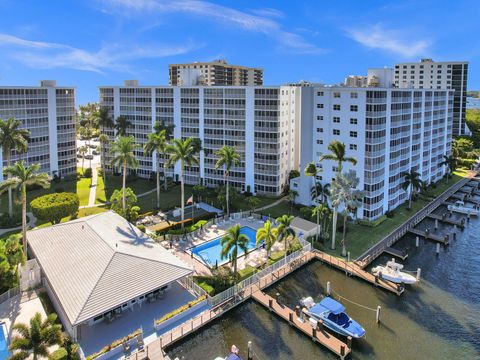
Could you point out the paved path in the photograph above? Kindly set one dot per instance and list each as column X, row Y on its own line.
column 93, row 187
column 272, row 204
column 30, row 225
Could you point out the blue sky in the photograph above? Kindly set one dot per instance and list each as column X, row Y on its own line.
column 102, row 42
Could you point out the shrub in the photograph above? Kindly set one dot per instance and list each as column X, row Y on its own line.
column 375, row 222
column 390, row 214
column 141, row 227
column 306, row 212
column 87, row 173
column 209, row 289
column 114, row 344
column 180, row 310
column 187, row 229
column 54, row 207
column 6, row 221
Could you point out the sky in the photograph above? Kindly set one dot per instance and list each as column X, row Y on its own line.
column 89, row 43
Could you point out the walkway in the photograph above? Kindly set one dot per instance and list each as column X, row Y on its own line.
column 32, row 220
column 275, row 203
column 93, row 187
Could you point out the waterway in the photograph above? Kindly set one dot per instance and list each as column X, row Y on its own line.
column 473, row 103
column 439, row 319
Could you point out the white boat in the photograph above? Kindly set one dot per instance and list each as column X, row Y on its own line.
column 392, row 272
column 460, row 207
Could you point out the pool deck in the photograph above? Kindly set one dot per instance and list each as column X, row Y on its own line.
column 182, row 248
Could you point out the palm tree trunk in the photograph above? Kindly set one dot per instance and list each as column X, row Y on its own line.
column 164, row 174
column 410, row 200
column 123, row 185
column 183, row 193
column 344, row 247
column 10, row 195
column 104, row 170
column 158, row 186
column 334, row 227
column 24, row 218
column 83, row 161
column 316, row 199
column 228, row 203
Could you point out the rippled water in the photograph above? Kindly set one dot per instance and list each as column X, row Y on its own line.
column 439, row 319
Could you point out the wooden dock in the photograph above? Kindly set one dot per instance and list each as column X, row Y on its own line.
column 458, row 196
column 429, row 236
column 395, row 252
column 447, row 220
column 353, row 269
column 332, row 343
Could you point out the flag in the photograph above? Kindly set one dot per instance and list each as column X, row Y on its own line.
column 190, row 200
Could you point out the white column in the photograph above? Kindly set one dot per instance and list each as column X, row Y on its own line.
column 52, row 130
column 387, row 151
column 201, row 127
column 154, row 117
column 177, row 120
column 422, row 129
column 250, row 138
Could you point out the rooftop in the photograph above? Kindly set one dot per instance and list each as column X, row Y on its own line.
column 98, row 262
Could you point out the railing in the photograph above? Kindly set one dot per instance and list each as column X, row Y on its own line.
column 189, row 284
column 375, row 251
column 10, row 293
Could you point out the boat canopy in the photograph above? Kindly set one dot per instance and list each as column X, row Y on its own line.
column 328, row 304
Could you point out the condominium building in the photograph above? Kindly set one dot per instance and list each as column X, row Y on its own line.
column 355, row 81
column 247, row 118
column 48, row 112
column 214, row 73
column 388, row 130
column 429, row 74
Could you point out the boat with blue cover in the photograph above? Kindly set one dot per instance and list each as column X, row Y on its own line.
column 333, row 315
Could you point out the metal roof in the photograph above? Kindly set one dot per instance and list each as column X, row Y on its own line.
column 303, row 225
column 99, row 262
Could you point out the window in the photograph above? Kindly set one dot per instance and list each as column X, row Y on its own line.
column 319, row 93
column 353, row 146
column 353, row 134
column 320, row 117
column 353, row 95
column 336, row 132
column 319, row 142
column 319, row 106
column 353, row 121
column 334, row 169
column 353, row 107
column 336, row 94
column 319, row 130
column 336, row 119
column 336, row 106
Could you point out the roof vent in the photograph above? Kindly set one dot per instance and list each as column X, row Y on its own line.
column 131, row 82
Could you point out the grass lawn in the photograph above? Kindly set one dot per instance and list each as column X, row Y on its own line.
column 139, row 186
column 361, row 237
column 283, row 208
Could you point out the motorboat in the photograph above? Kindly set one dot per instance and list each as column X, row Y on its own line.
column 459, row 206
column 392, row 272
column 333, row 315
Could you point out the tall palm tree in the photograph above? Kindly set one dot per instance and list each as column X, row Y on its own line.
column 284, row 230
column 412, row 183
column 183, row 151
column 103, row 119
column 123, row 150
column 312, row 170
column 337, row 197
column 351, row 198
column 292, row 195
column 12, row 137
column 159, row 127
column 35, row 339
column 451, row 162
column 71, row 349
column 104, row 140
column 231, row 242
column 121, row 126
column 82, row 150
column 158, row 143
column 227, row 157
column 21, row 176
column 320, row 212
column 338, row 154
column 268, row 234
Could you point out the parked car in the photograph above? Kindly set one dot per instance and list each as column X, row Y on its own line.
column 89, row 157
column 95, row 152
column 79, row 156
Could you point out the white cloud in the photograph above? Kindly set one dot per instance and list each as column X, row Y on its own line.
column 394, row 41
column 46, row 55
column 259, row 21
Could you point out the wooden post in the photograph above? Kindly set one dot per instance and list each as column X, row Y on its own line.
column 342, row 351
column 314, row 334
column 438, row 248
column 328, row 288
column 377, row 315
column 249, row 351
column 348, row 256
column 349, row 342
column 270, row 304
column 436, row 224
column 290, row 317
column 419, row 271
column 417, row 241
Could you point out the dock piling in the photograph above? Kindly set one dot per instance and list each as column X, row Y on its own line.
column 438, row 248
column 348, row 256
column 419, row 271
column 328, row 288
column 417, row 241
column 377, row 314
column 436, row 224
column 249, row 351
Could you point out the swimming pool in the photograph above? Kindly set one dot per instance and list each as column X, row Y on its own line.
column 210, row 252
column 4, row 354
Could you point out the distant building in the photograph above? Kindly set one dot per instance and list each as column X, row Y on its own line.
column 48, row 111
column 388, row 130
column 249, row 118
column 429, row 74
column 214, row 73
column 355, row 81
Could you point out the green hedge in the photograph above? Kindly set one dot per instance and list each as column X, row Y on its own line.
column 180, row 310
column 114, row 344
column 373, row 223
column 187, row 229
column 209, row 289
column 54, row 207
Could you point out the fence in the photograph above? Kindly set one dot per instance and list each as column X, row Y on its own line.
column 189, row 284
column 375, row 251
column 10, row 293
column 255, row 278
